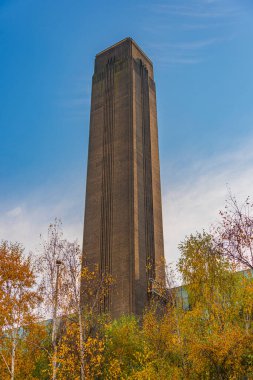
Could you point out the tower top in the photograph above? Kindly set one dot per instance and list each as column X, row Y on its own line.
column 127, row 40
column 120, row 51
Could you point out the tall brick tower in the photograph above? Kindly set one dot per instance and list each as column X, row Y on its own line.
column 123, row 216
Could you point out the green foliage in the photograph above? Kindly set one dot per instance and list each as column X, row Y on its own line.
column 218, row 327
column 204, row 270
column 123, row 348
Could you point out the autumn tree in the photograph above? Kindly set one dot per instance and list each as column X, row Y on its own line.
column 147, row 347
column 32, row 354
column 18, row 300
column 83, row 340
column 217, row 338
column 76, row 321
column 123, row 348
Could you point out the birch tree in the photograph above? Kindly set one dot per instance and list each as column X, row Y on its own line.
column 83, row 322
column 75, row 317
column 53, row 286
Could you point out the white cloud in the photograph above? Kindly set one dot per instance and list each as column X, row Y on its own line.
column 14, row 212
column 25, row 224
column 190, row 204
column 194, row 203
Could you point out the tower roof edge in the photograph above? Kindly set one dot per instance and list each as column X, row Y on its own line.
column 121, row 42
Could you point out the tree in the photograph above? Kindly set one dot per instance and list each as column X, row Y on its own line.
column 53, row 286
column 32, row 354
column 123, row 348
column 18, row 300
column 83, row 322
column 234, row 235
column 75, row 324
column 214, row 329
column 149, row 347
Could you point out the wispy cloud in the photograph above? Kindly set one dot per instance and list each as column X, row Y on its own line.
column 198, row 11
column 191, row 45
column 178, row 25
column 194, row 203
column 14, row 212
column 182, row 52
column 177, row 59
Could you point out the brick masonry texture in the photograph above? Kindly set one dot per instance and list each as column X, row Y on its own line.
column 123, row 215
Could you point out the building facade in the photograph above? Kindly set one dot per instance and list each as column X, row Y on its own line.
column 123, row 231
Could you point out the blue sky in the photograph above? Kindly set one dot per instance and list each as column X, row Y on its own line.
column 203, row 56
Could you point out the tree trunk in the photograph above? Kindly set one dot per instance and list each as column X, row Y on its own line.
column 54, row 350
column 81, row 342
column 54, row 328
column 13, row 353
